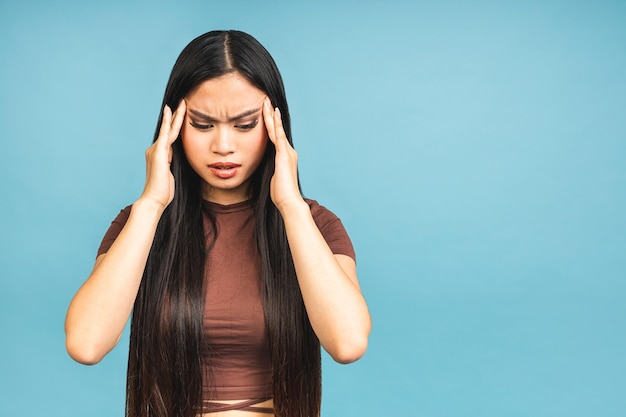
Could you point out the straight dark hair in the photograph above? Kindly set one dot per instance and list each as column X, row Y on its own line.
column 164, row 364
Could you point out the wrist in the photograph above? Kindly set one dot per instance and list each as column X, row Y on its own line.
column 148, row 206
column 293, row 207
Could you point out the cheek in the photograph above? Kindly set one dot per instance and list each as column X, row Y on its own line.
column 189, row 145
column 183, row 135
column 260, row 144
column 189, row 137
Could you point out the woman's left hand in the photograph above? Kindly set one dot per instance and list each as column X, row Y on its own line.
column 328, row 283
column 284, row 188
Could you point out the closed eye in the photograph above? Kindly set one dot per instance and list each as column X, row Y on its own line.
column 200, row 126
column 248, row 126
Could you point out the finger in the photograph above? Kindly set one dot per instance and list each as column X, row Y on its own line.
column 279, row 131
column 177, row 122
column 268, row 117
column 166, row 121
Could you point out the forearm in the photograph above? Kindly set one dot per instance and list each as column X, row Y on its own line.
column 332, row 297
column 100, row 309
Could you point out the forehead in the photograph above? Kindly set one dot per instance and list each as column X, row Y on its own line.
column 224, row 95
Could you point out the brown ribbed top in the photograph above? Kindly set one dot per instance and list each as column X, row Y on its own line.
column 236, row 356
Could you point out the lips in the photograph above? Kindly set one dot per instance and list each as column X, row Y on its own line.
column 224, row 170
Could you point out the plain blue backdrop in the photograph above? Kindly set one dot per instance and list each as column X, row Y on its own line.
column 476, row 152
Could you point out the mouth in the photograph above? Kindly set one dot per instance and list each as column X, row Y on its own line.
column 224, row 170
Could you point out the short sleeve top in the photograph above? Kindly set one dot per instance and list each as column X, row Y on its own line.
column 236, row 355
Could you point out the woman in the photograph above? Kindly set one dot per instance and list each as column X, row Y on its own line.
column 233, row 278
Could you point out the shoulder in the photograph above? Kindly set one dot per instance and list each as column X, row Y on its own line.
column 320, row 214
column 122, row 217
column 114, row 230
column 124, row 214
column 331, row 228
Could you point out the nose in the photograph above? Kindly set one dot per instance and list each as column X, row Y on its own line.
column 223, row 142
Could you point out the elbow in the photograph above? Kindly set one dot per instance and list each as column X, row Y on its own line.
column 87, row 345
column 350, row 349
column 84, row 353
column 352, row 344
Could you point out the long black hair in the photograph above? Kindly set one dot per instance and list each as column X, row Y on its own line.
column 165, row 365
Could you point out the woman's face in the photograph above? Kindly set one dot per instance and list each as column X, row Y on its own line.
column 224, row 136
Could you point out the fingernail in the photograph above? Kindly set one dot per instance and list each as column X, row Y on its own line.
column 277, row 110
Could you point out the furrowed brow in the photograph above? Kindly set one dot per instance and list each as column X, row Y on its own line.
column 210, row 119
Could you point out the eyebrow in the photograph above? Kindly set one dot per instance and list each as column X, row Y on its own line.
column 209, row 119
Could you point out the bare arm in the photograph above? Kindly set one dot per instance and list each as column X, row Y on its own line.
column 330, row 289
column 332, row 297
column 100, row 309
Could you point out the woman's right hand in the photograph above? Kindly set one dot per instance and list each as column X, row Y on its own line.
column 100, row 309
column 159, row 186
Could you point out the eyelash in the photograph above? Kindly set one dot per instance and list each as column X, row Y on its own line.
column 246, row 127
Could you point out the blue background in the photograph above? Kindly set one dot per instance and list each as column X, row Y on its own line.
column 476, row 152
